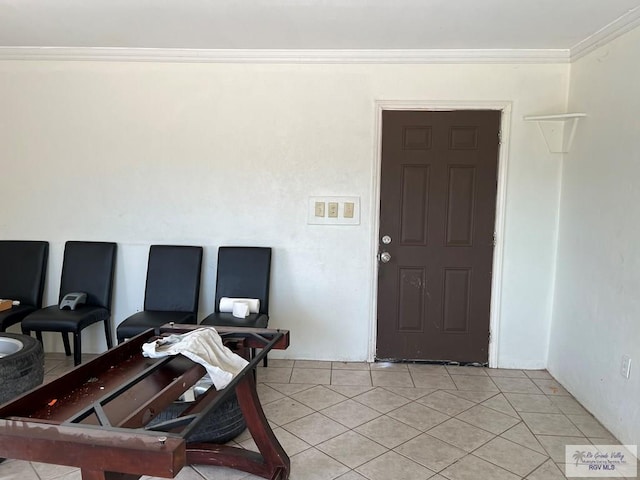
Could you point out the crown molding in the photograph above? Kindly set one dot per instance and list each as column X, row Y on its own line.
column 606, row 34
column 287, row 56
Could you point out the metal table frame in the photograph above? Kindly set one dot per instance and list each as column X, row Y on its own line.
column 95, row 416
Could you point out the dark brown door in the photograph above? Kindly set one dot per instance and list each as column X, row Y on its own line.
column 437, row 210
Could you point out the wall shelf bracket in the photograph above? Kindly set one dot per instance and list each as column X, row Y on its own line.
column 558, row 130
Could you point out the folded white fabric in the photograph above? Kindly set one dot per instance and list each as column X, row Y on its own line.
column 203, row 346
column 226, row 304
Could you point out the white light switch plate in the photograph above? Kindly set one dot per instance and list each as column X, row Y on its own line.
column 352, row 218
column 625, row 368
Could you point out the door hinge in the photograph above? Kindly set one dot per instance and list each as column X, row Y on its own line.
column 499, row 137
column 494, row 239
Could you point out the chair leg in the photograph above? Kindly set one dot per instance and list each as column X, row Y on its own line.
column 264, row 360
column 108, row 334
column 77, row 348
column 38, row 336
column 65, row 340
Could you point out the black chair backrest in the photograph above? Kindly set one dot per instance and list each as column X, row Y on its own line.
column 88, row 267
column 23, row 267
column 244, row 272
column 173, row 278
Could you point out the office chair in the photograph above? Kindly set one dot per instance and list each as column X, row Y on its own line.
column 87, row 267
column 243, row 272
column 172, row 290
column 23, row 267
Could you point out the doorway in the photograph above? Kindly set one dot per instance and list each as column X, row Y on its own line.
column 438, row 188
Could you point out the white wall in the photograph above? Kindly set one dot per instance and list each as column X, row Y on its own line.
column 596, row 316
column 214, row 154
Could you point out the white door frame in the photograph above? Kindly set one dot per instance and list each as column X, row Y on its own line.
column 501, row 200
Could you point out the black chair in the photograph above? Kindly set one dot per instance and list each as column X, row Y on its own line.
column 243, row 272
column 172, row 291
column 87, row 267
column 23, row 267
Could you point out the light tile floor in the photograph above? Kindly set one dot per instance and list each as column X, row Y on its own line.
column 360, row 421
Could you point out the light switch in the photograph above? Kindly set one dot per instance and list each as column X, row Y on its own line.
column 333, row 210
column 348, row 210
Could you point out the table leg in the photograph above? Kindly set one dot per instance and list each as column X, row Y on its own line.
column 102, row 475
column 272, row 462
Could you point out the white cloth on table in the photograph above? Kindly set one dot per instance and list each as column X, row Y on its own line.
column 203, row 346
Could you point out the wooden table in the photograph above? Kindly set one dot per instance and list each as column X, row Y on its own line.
column 94, row 417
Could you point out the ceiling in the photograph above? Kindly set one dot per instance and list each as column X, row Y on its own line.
column 308, row 24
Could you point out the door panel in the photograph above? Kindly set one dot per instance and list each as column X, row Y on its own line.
column 460, row 206
column 411, row 300
column 437, row 203
column 455, row 299
column 415, row 204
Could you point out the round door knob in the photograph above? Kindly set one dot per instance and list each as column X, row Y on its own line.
column 385, row 257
